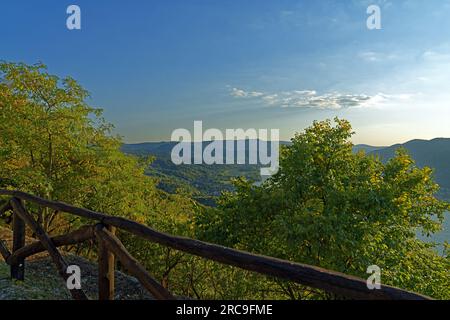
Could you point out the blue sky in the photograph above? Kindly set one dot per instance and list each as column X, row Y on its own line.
column 155, row 66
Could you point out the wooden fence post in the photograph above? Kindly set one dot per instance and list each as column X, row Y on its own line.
column 106, row 269
column 133, row 266
column 48, row 244
column 18, row 268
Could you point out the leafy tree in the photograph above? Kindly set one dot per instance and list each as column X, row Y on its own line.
column 53, row 144
column 330, row 207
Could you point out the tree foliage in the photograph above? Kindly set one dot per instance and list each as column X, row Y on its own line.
column 53, row 144
column 330, row 207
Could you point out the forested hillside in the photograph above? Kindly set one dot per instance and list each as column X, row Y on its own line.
column 204, row 182
column 210, row 180
column 431, row 153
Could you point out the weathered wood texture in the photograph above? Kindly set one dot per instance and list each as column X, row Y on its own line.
column 131, row 264
column 18, row 268
column 330, row 281
column 106, row 268
column 48, row 244
column 4, row 251
column 78, row 236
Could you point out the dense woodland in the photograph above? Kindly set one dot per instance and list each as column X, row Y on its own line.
column 327, row 206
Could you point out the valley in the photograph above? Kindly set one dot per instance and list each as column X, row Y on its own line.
column 206, row 182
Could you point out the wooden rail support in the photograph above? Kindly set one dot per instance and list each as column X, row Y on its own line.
column 106, row 269
column 83, row 234
column 18, row 268
column 4, row 250
column 48, row 244
column 131, row 264
column 6, row 207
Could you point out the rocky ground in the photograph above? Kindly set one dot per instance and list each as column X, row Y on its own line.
column 42, row 281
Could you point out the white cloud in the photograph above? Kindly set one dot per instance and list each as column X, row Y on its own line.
column 381, row 100
column 303, row 99
column 329, row 101
column 239, row 93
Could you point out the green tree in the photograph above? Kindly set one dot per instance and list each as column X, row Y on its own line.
column 330, row 207
column 54, row 145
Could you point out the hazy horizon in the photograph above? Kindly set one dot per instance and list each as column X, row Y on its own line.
column 288, row 140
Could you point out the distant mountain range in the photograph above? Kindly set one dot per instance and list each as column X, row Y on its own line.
column 366, row 148
column 211, row 180
column 163, row 149
column 431, row 153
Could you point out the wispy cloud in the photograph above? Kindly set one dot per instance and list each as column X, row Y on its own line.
column 312, row 100
column 239, row 93
column 303, row 99
column 372, row 56
column 434, row 56
column 382, row 100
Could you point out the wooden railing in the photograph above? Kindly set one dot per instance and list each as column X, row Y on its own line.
column 110, row 247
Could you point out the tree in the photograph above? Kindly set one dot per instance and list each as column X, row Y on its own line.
column 330, row 207
column 53, row 144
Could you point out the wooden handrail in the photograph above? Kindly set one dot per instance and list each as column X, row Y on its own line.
column 312, row 276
